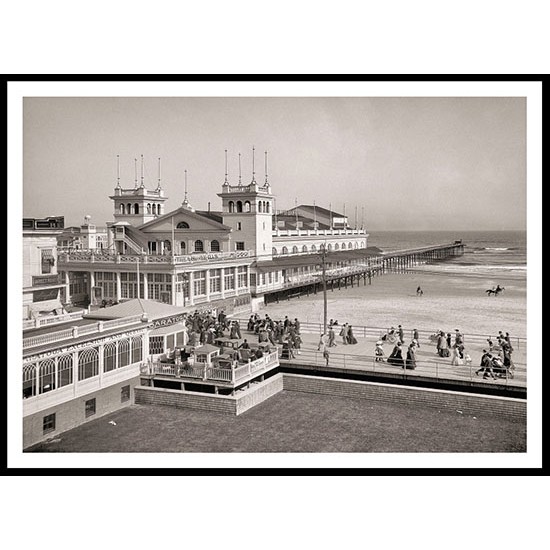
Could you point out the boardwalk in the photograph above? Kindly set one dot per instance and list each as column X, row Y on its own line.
column 360, row 357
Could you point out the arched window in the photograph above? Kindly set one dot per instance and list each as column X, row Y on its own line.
column 29, row 382
column 322, row 246
column 137, row 346
column 109, row 357
column 362, row 244
column 231, row 206
column 123, row 352
column 121, row 209
column 136, row 208
column 239, row 206
column 304, row 248
column 260, row 206
column 149, row 208
column 182, row 247
column 350, row 246
column 247, row 206
column 167, row 246
column 284, row 250
column 356, row 245
column 313, row 248
column 88, row 363
column 159, row 209
column 182, row 225
column 128, row 208
column 46, row 380
column 215, row 246
column 199, row 247
column 294, row 249
column 154, row 209
column 274, row 251
column 329, row 248
column 336, row 246
column 64, row 370
column 267, row 207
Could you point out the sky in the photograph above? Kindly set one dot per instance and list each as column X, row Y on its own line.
column 392, row 163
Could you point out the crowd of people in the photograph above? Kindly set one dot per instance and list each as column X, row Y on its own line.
column 206, row 327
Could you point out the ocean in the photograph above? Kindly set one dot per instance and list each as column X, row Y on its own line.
column 487, row 254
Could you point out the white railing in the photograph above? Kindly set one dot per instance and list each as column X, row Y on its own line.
column 202, row 371
column 110, row 257
column 76, row 331
column 52, row 320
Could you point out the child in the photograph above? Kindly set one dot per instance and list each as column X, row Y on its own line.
column 378, row 351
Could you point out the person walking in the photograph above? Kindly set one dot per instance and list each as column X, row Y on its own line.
column 379, row 352
column 331, row 337
column 351, row 337
column 344, row 333
column 322, row 341
column 326, row 354
column 411, row 358
column 401, row 333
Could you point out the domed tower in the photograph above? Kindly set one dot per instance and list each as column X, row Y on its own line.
column 137, row 205
column 248, row 209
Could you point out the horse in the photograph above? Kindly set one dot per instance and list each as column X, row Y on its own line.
column 496, row 291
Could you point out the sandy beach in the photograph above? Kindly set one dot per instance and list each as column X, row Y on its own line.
column 448, row 302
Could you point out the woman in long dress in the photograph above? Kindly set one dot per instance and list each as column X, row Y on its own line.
column 411, row 357
column 351, row 337
column 396, row 356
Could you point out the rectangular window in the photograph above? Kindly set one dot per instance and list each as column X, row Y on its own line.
column 89, row 407
column 156, row 345
column 47, row 260
column 241, row 277
column 239, row 245
column 263, row 278
column 270, row 277
column 199, row 283
column 253, row 279
column 239, row 226
column 276, row 276
column 48, row 423
column 215, row 280
column 124, row 394
column 170, row 341
column 229, row 279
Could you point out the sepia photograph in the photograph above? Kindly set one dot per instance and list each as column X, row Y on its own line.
column 219, row 274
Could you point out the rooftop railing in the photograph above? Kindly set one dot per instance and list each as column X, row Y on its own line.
column 52, row 320
column 77, row 331
column 235, row 374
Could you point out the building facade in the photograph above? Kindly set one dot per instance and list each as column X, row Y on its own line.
column 189, row 258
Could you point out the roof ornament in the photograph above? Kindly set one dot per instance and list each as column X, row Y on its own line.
column 118, row 171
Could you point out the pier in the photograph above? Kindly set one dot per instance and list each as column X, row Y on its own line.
column 365, row 264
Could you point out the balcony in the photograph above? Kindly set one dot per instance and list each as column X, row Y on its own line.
column 229, row 373
column 90, row 256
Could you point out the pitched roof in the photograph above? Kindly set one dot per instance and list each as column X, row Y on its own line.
column 319, row 209
column 138, row 306
column 183, row 210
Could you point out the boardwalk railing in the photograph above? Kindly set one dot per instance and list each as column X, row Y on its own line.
column 425, row 336
column 438, row 370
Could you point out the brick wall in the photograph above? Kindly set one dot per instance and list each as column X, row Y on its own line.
column 259, row 392
column 190, row 400
column 225, row 404
column 440, row 399
column 70, row 414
